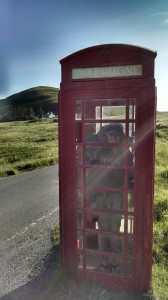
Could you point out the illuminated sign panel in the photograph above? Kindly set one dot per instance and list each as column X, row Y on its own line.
column 105, row 72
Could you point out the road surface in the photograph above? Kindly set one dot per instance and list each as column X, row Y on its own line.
column 28, row 213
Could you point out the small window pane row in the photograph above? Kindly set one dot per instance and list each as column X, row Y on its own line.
column 105, row 178
column 105, row 155
column 117, row 201
column 106, row 222
column 106, row 264
column 112, row 133
column 105, row 109
column 106, row 243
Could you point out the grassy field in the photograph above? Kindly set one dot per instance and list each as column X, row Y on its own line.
column 27, row 145
column 160, row 248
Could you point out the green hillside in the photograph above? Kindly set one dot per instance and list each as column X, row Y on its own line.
column 45, row 98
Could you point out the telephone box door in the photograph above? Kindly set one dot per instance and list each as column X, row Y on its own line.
column 109, row 235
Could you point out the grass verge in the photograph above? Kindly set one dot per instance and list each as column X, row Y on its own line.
column 25, row 146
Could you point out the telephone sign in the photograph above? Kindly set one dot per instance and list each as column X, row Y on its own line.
column 107, row 107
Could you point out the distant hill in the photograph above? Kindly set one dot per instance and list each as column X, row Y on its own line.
column 42, row 97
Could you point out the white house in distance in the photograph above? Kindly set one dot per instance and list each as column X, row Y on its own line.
column 49, row 115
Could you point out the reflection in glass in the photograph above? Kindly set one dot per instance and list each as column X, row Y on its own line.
column 105, row 264
column 79, row 260
column 113, row 112
column 113, row 109
column 98, row 112
column 79, row 155
column 131, row 133
column 78, row 132
column 79, row 195
column 90, row 110
column 105, row 133
column 79, row 177
column 79, row 219
column 97, row 199
column 129, row 268
column 105, row 243
column 105, row 200
column 90, row 155
column 130, row 225
column 116, row 201
column 117, row 245
column 130, row 247
column 106, row 222
column 90, row 132
column 78, row 114
column 131, row 179
column 105, row 178
column 79, row 240
column 132, row 107
column 105, row 155
column 91, row 241
column 130, row 202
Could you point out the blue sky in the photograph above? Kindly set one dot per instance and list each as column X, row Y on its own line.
column 36, row 34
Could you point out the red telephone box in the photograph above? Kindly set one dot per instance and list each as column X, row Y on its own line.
column 107, row 107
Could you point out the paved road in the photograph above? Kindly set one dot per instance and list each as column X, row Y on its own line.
column 26, row 198
column 28, row 213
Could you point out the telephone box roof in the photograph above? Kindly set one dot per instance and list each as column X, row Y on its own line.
column 115, row 47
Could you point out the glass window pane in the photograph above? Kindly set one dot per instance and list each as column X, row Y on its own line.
column 79, row 260
column 79, row 219
column 79, row 240
column 106, row 222
column 105, row 155
column 79, row 177
column 90, row 132
column 130, row 202
column 129, row 268
column 78, row 114
column 79, row 155
column 130, row 225
column 105, row 178
column 105, row 243
column 78, row 132
column 79, row 197
column 91, row 241
column 130, row 247
column 113, row 109
column 90, row 112
column 98, row 112
column 105, row 264
column 105, row 200
column 108, row 243
column 109, row 133
column 132, row 107
column 117, row 245
column 113, row 112
column 116, row 201
column 90, row 155
column 130, row 157
column 131, row 133
column 131, row 179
